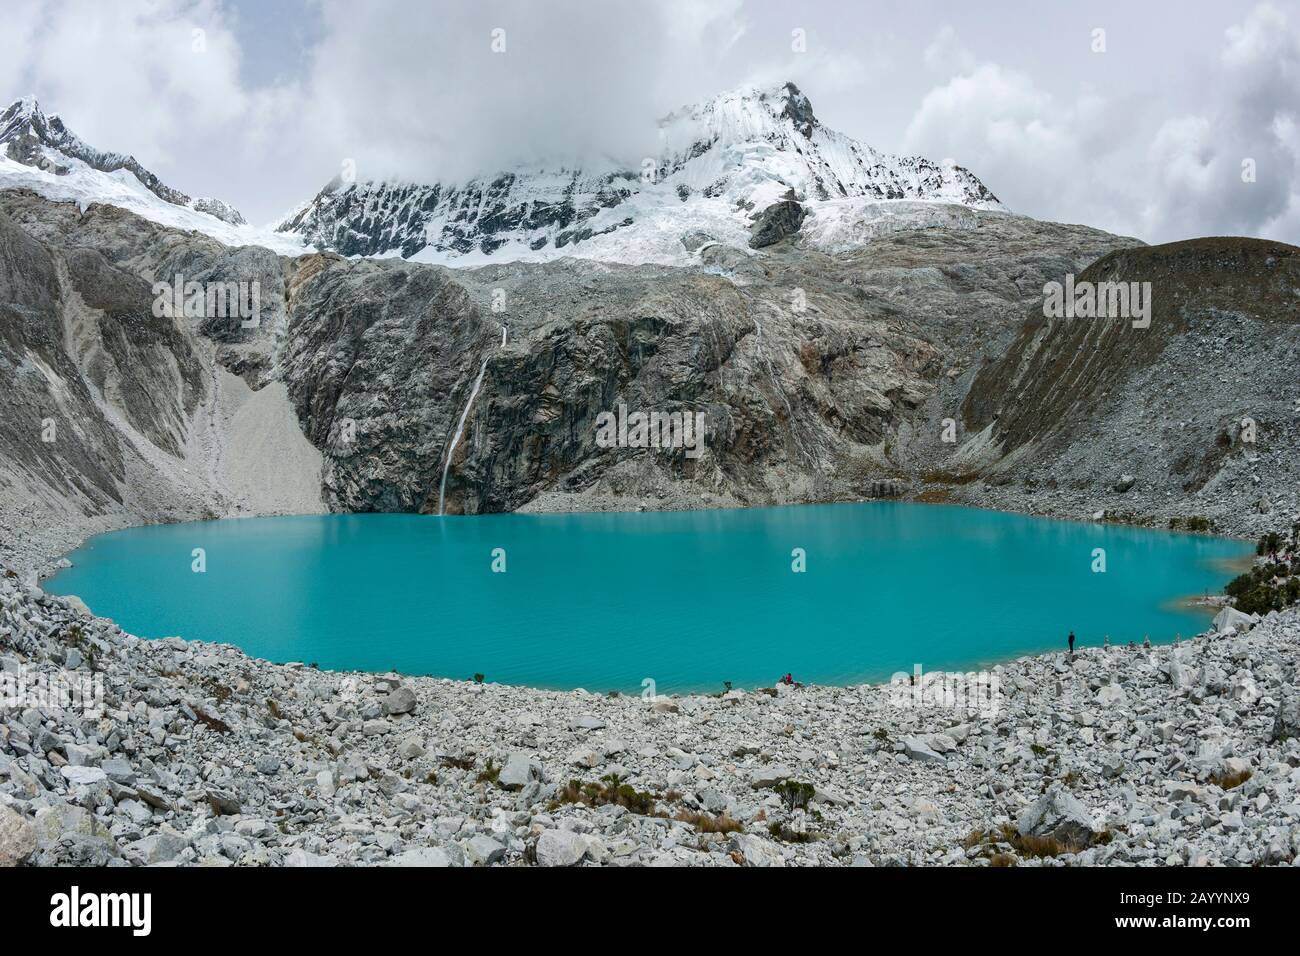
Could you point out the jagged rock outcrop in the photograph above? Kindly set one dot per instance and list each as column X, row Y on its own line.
column 778, row 221
column 31, row 138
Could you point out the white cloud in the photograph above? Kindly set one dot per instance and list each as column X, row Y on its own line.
column 1197, row 159
column 1027, row 147
column 412, row 89
column 432, row 100
column 141, row 79
column 947, row 55
column 1120, row 164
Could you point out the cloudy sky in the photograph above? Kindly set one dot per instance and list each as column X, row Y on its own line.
column 1134, row 117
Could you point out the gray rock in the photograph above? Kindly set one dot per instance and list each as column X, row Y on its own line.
column 778, row 221
column 482, row 850
column 119, row 771
column 325, row 784
column 1058, row 815
column 301, row 858
column 68, row 821
column 425, row 857
column 757, row 851
column 519, row 771
column 1286, row 722
column 918, row 749
column 411, row 749
column 769, row 775
column 400, row 701
column 17, row 838
column 83, row 776
column 159, row 848
column 1111, row 695
column 222, row 802
column 564, row 847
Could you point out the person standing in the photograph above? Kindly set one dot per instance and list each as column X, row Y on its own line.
column 1071, row 640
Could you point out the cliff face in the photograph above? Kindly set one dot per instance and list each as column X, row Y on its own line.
column 805, row 366
column 820, row 376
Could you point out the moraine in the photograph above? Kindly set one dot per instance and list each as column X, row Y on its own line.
column 686, row 600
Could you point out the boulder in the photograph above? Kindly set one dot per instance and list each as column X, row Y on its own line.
column 301, row 858
column 482, row 850
column 585, row 757
column 325, row 784
column 426, row 856
column 1286, row 723
column 400, row 701
column 411, row 749
column 222, row 802
column 919, row 749
column 162, row 847
column 757, row 851
column 1111, row 695
column 1058, row 815
column 519, row 771
column 564, row 847
column 17, row 838
column 1230, row 617
column 83, row 776
column 770, row 775
column 64, row 820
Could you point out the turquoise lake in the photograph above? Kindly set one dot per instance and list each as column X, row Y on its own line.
column 686, row 599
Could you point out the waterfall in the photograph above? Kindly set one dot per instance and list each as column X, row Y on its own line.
column 460, row 428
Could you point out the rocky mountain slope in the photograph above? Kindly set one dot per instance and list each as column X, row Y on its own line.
column 1198, row 413
column 116, row 415
column 719, row 167
column 806, row 365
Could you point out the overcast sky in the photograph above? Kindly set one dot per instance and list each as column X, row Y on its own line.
column 1145, row 138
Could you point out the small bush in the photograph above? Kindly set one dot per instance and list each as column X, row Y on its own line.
column 795, row 795
column 489, row 774
column 706, row 823
column 610, row 790
column 1228, row 781
column 787, row 835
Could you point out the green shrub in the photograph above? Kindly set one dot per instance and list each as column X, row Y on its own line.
column 795, row 795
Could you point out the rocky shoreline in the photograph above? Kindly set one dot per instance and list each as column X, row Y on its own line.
column 1171, row 755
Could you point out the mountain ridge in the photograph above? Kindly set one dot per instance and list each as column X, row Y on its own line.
column 721, row 164
column 41, row 141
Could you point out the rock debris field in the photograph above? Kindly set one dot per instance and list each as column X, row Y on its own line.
column 201, row 756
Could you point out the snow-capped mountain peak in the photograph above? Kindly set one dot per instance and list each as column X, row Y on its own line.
column 720, row 165
column 45, row 145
